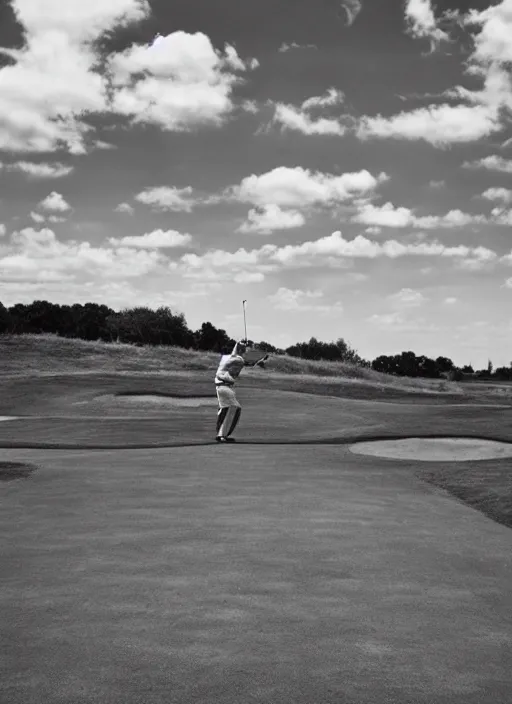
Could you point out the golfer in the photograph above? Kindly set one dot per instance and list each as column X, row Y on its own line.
column 229, row 409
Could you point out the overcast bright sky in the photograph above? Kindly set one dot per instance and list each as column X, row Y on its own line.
column 346, row 167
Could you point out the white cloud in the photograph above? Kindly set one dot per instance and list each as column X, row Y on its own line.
column 479, row 113
column 3, row 230
column 352, row 8
column 178, row 84
column 450, row 301
column 508, row 283
column 55, row 202
column 501, row 216
column 51, row 84
column 37, row 217
column 125, row 208
column 299, row 119
column 500, row 194
column 42, row 170
column 288, row 47
column 439, row 125
column 297, row 300
column 302, row 188
column 421, row 21
column 292, row 118
column 265, row 219
column 436, row 184
column 36, row 255
column 332, row 97
column 491, row 163
column 104, row 146
column 153, row 240
column 407, row 298
column 166, row 198
column 388, row 216
column 56, row 219
column 493, row 42
column 331, row 251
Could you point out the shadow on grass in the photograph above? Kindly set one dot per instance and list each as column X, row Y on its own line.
column 10, row 471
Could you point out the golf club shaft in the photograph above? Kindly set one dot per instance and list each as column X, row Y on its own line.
column 245, row 320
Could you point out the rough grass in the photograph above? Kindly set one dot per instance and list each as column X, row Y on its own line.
column 36, row 354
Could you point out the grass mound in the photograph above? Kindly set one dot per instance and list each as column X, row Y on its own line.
column 36, row 354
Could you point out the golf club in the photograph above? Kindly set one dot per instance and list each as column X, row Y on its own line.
column 245, row 321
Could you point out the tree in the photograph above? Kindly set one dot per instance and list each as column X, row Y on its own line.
column 444, row 364
column 208, row 337
column 467, row 369
column 5, row 319
column 143, row 326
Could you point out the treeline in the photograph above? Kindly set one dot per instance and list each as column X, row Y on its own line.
column 144, row 326
column 408, row 364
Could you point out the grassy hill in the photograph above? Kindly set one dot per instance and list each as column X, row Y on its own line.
column 34, row 354
column 49, row 354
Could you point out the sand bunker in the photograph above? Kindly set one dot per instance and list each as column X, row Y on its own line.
column 159, row 400
column 435, row 449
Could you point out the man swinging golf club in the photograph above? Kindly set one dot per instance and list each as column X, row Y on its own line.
column 229, row 369
column 229, row 408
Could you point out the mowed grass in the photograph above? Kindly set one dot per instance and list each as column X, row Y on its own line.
column 486, row 486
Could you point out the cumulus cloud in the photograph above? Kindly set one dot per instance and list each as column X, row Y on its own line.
column 37, row 217
column 298, row 300
column 479, row 112
column 36, row 255
column 51, row 84
column 168, row 198
column 299, row 118
column 58, row 78
column 450, row 301
column 301, row 188
column 177, row 84
column 491, row 163
column 292, row 118
column 281, row 197
column 125, row 208
column 3, row 230
column 41, row 170
column 332, row 251
column 407, row 298
column 422, row 23
column 439, row 125
column 266, row 219
column 158, row 239
column 55, row 202
column 388, row 215
column 498, row 194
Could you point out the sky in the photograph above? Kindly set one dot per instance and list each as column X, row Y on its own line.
column 345, row 166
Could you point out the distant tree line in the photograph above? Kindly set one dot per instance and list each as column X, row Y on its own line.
column 144, row 326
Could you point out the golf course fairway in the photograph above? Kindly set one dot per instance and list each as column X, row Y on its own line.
column 142, row 563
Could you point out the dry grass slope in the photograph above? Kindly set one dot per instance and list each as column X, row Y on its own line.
column 36, row 354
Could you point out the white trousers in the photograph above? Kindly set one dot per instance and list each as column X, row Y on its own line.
column 229, row 411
